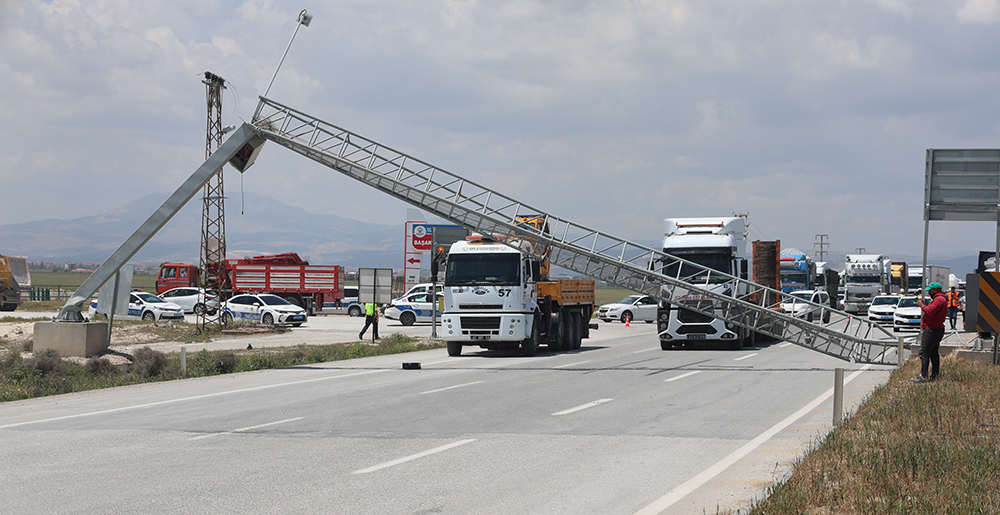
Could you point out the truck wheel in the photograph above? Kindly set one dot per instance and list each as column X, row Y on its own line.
column 354, row 311
column 529, row 347
column 577, row 325
column 454, row 349
column 149, row 316
column 557, row 341
column 407, row 318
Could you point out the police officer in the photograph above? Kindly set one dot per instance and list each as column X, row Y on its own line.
column 371, row 319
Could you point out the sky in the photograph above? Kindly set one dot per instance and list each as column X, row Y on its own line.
column 812, row 116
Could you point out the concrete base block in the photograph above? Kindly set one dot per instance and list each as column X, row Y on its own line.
column 982, row 356
column 71, row 338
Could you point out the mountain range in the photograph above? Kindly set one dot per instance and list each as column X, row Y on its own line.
column 255, row 225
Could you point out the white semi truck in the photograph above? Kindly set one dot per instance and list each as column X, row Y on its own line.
column 717, row 243
column 935, row 273
column 865, row 277
column 498, row 297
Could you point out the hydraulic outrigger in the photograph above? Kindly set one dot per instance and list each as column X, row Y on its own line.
column 571, row 246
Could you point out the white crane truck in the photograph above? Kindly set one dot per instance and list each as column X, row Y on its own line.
column 499, row 297
column 716, row 243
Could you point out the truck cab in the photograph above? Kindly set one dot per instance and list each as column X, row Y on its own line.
column 176, row 275
column 716, row 243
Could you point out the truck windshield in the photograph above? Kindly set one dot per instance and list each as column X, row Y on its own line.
column 793, row 277
column 915, row 282
column 863, row 279
column 482, row 268
column 716, row 261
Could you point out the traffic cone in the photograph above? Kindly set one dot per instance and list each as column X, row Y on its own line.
column 627, row 320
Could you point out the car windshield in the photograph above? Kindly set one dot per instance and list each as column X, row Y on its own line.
column 148, row 297
column 885, row 301
column 800, row 295
column 907, row 303
column 273, row 300
column 628, row 300
column 493, row 268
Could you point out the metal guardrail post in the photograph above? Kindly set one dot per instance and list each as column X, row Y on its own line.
column 899, row 353
column 838, row 396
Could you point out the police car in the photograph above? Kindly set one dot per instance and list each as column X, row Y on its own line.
column 907, row 315
column 349, row 302
column 412, row 308
column 145, row 306
column 882, row 308
column 265, row 308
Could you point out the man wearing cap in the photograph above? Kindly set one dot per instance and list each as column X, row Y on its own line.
column 931, row 332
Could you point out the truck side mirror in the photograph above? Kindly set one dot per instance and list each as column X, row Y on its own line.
column 743, row 269
column 535, row 270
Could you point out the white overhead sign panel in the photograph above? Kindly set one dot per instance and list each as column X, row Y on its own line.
column 962, row 184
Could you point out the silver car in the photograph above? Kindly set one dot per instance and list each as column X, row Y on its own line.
column 193, row 300
column 633, row 307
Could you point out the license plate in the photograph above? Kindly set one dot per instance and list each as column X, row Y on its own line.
column 696, row 336
column 477, row 337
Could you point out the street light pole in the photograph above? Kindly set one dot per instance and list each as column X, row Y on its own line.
column 304, row 19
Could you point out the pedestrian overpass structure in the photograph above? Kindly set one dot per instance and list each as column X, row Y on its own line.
column 478, row 208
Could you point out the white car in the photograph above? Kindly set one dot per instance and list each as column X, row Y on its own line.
column 146, row 306
column 907, row 315
column 791, row 304
column 265, row 308
column 633, row 307
column 420, row 288
column 415, row 307
column 882, row 308
column 193, row 300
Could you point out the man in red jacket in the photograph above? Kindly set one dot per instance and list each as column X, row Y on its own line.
column 931, row 332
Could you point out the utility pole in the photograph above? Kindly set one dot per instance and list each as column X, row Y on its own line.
column 822, row 244
column 213, row 213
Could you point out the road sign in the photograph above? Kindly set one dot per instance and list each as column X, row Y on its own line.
column 988, row 320
column 422, row 237
column 375, row 285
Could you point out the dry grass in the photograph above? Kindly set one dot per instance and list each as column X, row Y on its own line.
column 928, row 448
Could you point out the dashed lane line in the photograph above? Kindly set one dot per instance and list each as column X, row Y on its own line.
column 413, row 456
column 581, row 407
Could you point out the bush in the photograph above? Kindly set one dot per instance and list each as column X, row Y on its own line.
column 225, row 363
column 45, row 362
column 260, row 361
column 203, row 364
column 148, row 362
column 101, row 367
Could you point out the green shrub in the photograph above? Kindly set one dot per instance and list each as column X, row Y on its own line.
column 100, row 366
column 203, row 364
column 148, row 362
column 259, row 361
column 225, row 363
column 45, row 362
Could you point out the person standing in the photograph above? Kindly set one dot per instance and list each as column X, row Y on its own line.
column 931, row 332
column 371, row 319
column 954, row 303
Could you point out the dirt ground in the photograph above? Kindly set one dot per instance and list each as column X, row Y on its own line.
column 21, row 334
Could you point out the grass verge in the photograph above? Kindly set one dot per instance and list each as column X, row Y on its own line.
column 910, row 449
column 46, row 373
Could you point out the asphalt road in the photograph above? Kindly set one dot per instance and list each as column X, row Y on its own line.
column 616, row 427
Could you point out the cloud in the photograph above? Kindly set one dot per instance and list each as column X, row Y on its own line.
column 980, row 11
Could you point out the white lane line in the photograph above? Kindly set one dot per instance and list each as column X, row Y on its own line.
column 450, row 387
column 571, row 364
column 682, row 376
column 643, row 350
column 442, row 361
column 413, row 456
column 581, row 407
column 242, row 429
column 706, row 475
column 786, row 344
column 192, row 398
column 747, row 356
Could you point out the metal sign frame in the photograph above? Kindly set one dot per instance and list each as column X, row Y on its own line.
column 375, row 285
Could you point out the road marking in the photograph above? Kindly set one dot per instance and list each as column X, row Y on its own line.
column 785, row 344
column 581, row 407
column 450, row 387
column 747, row 356
column 413, row 456
column 706, row 475
column 192, row 398
column 571, row 364
column 682, row 376
column 643, row 350
column 242, row 429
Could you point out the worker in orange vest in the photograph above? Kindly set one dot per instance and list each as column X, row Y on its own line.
column 954, row 302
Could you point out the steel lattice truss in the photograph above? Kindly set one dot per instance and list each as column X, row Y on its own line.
column 570, row 245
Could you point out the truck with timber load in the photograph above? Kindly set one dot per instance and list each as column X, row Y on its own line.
column 497, row 295
column 14, row 278
column 285, row 275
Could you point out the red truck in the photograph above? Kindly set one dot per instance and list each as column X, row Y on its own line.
column 285, row 275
